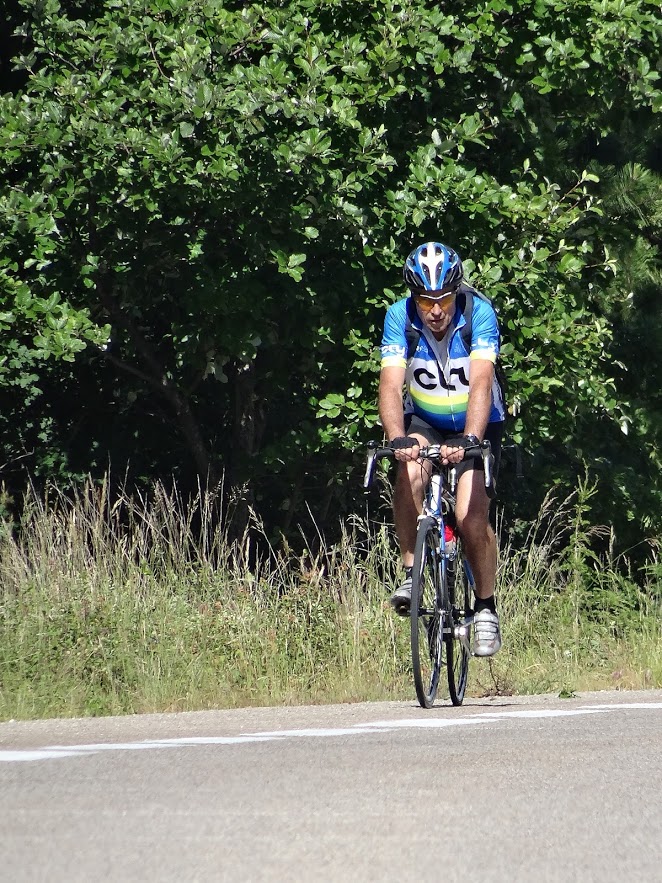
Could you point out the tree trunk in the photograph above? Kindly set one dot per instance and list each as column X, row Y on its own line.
column 154, row 373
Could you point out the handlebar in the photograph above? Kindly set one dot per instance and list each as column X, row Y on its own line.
column 431, row 452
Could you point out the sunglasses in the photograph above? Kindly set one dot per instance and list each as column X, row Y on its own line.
column 427, row 301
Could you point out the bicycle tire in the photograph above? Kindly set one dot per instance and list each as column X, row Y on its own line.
column 459, row 583
column 427, row 625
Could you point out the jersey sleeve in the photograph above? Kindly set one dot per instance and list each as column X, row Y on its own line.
column 394, row 340
column 484, row 332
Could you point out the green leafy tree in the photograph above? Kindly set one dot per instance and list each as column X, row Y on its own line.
column 226, row 191
column 631, row 458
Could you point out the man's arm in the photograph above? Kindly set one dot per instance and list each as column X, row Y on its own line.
column 484, row 353
column 481, row 378
column 391, row 412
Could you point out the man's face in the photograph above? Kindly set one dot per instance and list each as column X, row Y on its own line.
column 436, row 309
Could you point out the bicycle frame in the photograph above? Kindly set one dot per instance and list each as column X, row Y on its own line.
column 439, row 501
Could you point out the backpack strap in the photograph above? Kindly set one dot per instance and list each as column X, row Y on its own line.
column 412, row 334
column 465, row 301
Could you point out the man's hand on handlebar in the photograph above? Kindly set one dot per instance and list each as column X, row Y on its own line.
column 405, row 447
column 453, row 452
column 408, row 447
column 411, row 448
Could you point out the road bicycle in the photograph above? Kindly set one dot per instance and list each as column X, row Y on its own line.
column 441, row 611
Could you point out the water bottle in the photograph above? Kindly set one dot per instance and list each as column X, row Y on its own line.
column 449, row 540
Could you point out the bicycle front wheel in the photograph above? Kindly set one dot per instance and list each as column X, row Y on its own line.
column 427, row 626
column 458, row 636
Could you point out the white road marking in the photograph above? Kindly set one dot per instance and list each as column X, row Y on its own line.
column 59, row 751
column 628, row 705
column 38, row 754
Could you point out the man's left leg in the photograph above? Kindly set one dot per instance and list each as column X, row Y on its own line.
column 472, row 514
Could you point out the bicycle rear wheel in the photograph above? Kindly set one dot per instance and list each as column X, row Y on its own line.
column 427, row 627
column 457, row 637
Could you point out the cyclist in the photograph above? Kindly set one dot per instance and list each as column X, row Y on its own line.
column 452, row 399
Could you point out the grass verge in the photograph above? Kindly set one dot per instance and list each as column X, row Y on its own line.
column 140, row 606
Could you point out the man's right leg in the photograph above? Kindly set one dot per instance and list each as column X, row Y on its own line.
column 410, row 485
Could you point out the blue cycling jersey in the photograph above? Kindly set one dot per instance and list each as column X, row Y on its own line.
column 437, row 376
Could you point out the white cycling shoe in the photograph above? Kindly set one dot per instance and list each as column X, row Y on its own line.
column 487, row 634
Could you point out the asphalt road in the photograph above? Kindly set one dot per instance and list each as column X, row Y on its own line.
column 531, row 789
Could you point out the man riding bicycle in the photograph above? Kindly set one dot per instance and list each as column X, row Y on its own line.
column 451, row 398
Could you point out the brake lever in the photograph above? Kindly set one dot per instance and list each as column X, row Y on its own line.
column 487, row 462
column 370, row 465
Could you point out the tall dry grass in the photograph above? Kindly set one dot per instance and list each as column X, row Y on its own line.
column 135, row 604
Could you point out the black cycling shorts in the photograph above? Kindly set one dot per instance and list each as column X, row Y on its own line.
column 493, row 434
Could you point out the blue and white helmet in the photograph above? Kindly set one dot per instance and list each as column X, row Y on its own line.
column 433, row 266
